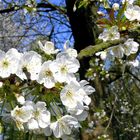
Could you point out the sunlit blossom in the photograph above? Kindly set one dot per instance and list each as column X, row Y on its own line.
column 132, row 12
column 73, row 94
column 80, row 112
column 117, row 51
column 115, row 6
column 64, row 125
column 22, row 114
column 48, row 48
column 46, row 74
column 30, row 62
column 9, row 62
column 69, row 50
column 130, row 47
column 128, row 1
column 110, row 34
column 40, row 115
column 65, row 67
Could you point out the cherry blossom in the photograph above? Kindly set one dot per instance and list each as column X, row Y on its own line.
column 9, row 62
column 110, row 34
column 30, row 62
column 48, row 48
column 46, row 74
column 64, row 125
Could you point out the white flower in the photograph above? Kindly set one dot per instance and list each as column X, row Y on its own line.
column 40, row 117
column 70, row 51
column 64, row 125
column 130, row 47
column 137, row 10
column 134, row 63
column 74, row 94
column 110, row 34
column 115, row 6
column 48, row 48
column 82, row 116
column 102, row 54
column 71, row 95
column 22, row 114
column 20, row 99
column 32, row 124
column 46, row 75
column 75, row 110
column 47, row 131
column 80, row 112
column 31, row 61
column 117, row 51
column 65, row 67
column 132, row 12
column 128, row 1
column 86, row 87
column 9, row 62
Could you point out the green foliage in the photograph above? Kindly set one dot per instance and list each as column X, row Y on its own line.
column 84, row 3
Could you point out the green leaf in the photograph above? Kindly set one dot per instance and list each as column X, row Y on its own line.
column 104, row 21
column 121, row 12
column 83, row 3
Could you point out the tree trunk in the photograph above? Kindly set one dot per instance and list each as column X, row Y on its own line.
column 84, row 29
column 82, row 21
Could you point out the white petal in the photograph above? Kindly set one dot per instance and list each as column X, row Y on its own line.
column 47, row 131
column 32, row 124
column 87, row 100
column 56, row 130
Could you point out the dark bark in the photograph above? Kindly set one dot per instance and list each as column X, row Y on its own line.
column 84, row 29
column 82, row 23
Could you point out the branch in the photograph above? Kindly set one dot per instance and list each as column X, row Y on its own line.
column 11, row 9
column 137, row 78
column 91, row 50
column 49, row 6
column 52, row 7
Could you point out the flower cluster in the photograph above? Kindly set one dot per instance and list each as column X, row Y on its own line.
column 36, row 116
column 110, row 34
column 132, row 12
column 128, row 1
column 128, row 48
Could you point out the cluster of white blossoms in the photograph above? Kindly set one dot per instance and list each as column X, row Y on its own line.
column 74, row 95
column 128, row 1
column 61, row 69
column 132, row 12
column 129, row 47
column 110, row 34
column 34, row 116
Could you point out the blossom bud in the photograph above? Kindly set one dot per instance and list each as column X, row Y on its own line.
column 115, row 6
column 20, row 99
